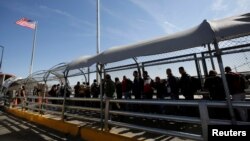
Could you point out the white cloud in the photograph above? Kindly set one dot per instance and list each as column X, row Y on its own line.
column 226, row 8
column 132, row 24
column 171, row 27
column 56, row 11
column 74, row 21
column 158, row 12
column 242, row 6
column 219, row 5
column 110, row 12
column 129, row 33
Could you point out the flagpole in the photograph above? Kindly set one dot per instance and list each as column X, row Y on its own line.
column 1, row 58
column 33, row 49
column 97, row 34
column 98, row 27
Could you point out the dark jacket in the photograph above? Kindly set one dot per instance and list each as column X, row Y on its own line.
column 173, row 82
column 109, row 88
column 137, row 87
column 186, row 86
column 215, row 87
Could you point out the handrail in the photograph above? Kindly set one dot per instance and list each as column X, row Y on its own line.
column 203, row 120
column 157, row 116
column 160, row 131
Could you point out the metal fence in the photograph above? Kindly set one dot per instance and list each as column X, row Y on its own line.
column 145, row 120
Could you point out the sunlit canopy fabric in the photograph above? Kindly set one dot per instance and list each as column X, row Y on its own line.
column 232, row 27
column 81, row 62
column 193, row 37
column 9, row 81
column 205, row 33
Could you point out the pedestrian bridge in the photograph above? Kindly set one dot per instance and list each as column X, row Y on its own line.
column 226, row 40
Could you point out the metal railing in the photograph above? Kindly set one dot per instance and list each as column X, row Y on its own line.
column 203, row 119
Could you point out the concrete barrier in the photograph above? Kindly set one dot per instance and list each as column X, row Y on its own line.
column 85, row 133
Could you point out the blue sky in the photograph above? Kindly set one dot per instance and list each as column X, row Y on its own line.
column 67, row 28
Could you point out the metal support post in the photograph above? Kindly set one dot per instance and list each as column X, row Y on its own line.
column 223, row 76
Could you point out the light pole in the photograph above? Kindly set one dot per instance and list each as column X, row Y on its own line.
column 1, row 58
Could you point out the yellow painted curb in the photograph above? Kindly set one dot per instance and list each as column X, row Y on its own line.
column 95, row 135
column 69, row 128
column 58, row 125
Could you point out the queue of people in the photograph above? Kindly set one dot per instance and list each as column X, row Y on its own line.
column 144, row 87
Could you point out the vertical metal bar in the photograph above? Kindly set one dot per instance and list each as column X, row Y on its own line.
column 43, row 98
column 45, row 79
column 138, row 66
column 106, row 126
column 204, row 64
column 97, row 27
column 197, row 64
column 3, row 79
column 204, row 119
column 64, row 95
column 88, row 75
column 211, row 56
column 101, row 92
column 40, row 102
column 1, row 58
column 223, row 76
column 85, row 77
column 142, row 67
column 97, row 34
column 33, row 49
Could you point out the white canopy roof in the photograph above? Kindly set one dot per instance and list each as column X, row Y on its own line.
column 205, row 33
column 81, row 62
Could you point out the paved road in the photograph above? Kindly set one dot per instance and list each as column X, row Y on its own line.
column 14, row 129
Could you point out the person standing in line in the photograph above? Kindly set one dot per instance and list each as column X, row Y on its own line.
column 95, row 89
column 213, row 84
column 186, row 84
column 23, row 96
column 77, row 88
column 137, row 87
column 172, row 85
column 236, row 89
column 148, row 86
column 118, row 88
column 159, row 87
column 126, row 87
column 109, row 87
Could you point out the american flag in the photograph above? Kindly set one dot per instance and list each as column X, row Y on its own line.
column 26, row 23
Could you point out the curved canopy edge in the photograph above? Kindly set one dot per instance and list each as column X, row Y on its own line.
column 205, row 33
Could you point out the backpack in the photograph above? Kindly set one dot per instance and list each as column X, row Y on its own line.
column 129, row 84
column 243, row 82
column 95, row 89
column 195, row 84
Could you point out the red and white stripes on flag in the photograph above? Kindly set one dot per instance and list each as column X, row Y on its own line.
column 26, row 23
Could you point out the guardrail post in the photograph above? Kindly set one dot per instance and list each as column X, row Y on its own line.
column 22, row 100
column 204, row 119
column 64, row 94
column 40, row 102
column 64, row 101
column 106, row 116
